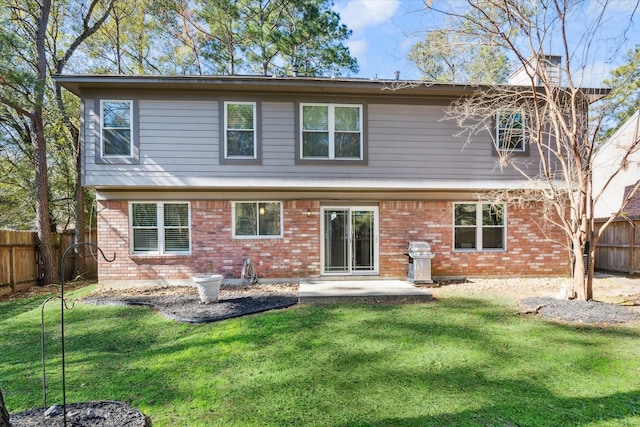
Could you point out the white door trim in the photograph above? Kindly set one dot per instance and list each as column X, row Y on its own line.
column 376, row 245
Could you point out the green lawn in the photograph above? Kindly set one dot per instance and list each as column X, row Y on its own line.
column 455, row 362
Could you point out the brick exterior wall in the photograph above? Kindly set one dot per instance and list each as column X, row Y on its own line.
column 529, row 252
column 297, row 253
column 633, row 207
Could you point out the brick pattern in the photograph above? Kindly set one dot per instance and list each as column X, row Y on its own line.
column 529, row 251
column 633, row 207
column 297, row 254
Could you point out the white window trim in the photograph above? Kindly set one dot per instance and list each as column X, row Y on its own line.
column 478, row 227
column 257, row 236
column 160, row 227
column 102, row 127
column 255, row 133
column 498, row 128
column 331, row 130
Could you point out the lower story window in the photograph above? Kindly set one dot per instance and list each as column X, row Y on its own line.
column 479, row 226
column 257, row 219
column 160, row 228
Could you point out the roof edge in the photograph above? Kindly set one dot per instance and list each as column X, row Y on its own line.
column 76, row 82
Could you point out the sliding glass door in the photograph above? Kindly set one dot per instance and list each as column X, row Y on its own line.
column 350, row 240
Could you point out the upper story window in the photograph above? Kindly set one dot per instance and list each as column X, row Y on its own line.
column 257, row 219
column 116, row 125
column 479, row 226
column 510, row 131
column 160, row 228
column 240, row 139
column 331, row 131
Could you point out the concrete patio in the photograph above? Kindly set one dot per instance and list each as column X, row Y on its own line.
column 317, row 291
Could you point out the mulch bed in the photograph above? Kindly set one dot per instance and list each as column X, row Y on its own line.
column 575, row 311
column 85, row 414
column 182, row 303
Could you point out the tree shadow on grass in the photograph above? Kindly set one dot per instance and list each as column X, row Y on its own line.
column 131, row 353
column 17, row 306
column 460, row 366
column 453, row 362
column 546, row 409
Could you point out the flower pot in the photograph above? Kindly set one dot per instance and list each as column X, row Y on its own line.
column 208, row 287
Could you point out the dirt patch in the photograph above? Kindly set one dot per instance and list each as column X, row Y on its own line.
column 37, row 290
column 182, row 303
column 85, row 414
column 616, row 298
column 509, row 287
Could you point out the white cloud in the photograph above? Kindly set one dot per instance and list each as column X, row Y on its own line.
column 383, row 32
column 624, row 5
column 359, row 14
column 357, row 48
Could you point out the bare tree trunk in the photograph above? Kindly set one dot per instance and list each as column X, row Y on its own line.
column 569, row 290
column 36, row 129
column 4, row 415
column 578, row 275
column 80, row 224
column 42, row 203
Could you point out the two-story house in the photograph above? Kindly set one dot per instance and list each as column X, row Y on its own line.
column 307, row 177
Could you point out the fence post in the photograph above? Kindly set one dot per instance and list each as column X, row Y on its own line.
column 632, row 247
column 12, row 269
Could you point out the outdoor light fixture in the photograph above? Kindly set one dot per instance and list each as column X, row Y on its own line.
column 308, row 213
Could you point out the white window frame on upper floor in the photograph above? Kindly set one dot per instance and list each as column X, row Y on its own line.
column 332, row 131
column 254, row 129
column 509, row 130
column 103, row 128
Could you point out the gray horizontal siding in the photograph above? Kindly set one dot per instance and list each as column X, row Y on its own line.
column 417, row 140
column 278, row 136
column 179, row 141
column 89, row 123
column 175, row 135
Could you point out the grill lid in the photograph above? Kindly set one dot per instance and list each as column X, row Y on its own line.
column 419, row 248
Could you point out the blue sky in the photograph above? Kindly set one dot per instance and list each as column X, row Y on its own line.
column 383, row 33
column 385, row 30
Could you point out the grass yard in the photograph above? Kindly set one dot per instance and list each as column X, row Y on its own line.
column 458, row 361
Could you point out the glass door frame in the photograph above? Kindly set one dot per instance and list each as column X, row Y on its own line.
column 350, row 271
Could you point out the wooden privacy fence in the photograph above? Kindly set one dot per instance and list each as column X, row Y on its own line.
column 619, row 247
column 20, row 265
